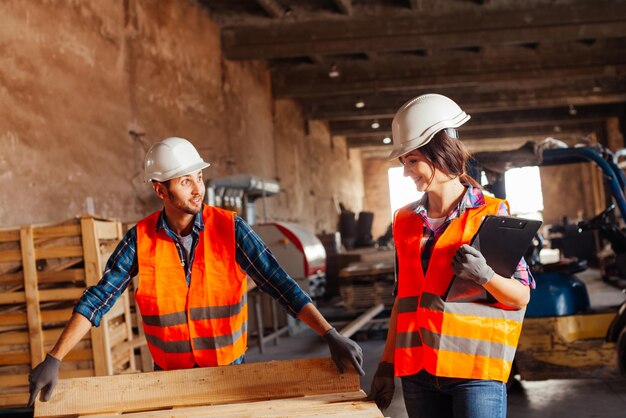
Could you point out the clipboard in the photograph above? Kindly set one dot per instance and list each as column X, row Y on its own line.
column 502, row 240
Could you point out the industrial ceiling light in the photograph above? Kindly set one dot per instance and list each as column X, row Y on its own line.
column 375, row 125
column 360, row 104
column 386, row 140
column 572, row 110
column 333, row 72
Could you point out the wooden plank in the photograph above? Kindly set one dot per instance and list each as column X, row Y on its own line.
column 71, row 275
column 7, row 359
column 15, row 337
column 108, row 230
column 75, row 374
column 12, row 297
column 31, row 292
column 99, row 335
column 71, row 293
column 16, row 318
column 117, row 309
column 12, row 278
column 348, row 405
column 24, row 357
column 50, row 336
column 192, row 387
column 363, row 319
column 56, row 231
column 66, row 251
column 11, row 380
column 10, row 235
column 10, row 255
column 13, row 399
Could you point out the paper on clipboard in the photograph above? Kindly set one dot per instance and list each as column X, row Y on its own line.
column 502, row 240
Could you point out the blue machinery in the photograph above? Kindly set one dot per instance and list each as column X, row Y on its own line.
column 558, row 294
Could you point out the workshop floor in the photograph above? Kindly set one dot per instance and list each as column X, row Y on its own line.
column 572, row 398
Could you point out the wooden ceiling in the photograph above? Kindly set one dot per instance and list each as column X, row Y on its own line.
column 531, row 68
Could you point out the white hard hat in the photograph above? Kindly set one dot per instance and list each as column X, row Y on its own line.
column 171, row 158
column 419, row 119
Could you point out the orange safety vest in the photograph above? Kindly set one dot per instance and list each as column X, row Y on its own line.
column 202, row 324
column 456, row 339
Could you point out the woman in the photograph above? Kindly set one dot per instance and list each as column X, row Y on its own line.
column 453, row 358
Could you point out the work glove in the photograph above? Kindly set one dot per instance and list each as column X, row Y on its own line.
column 341, row 347
column 44, row 376
column 383, row 386
column 468, row 263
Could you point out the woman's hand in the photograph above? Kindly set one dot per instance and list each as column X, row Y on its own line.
column 468, row 263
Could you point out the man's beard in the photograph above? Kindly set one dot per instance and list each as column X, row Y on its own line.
column 183, row 205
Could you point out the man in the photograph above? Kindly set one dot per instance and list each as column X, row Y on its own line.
column 190, row 259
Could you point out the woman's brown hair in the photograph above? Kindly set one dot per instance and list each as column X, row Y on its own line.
column 449, row 155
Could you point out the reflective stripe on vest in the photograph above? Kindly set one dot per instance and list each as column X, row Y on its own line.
column 196, row 314
column 466, row 340
column 203, row 323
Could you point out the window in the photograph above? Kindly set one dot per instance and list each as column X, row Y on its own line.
column 402, row 189
column 523, row 191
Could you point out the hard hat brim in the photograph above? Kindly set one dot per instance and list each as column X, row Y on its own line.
column 418, row 142
column 200, row 165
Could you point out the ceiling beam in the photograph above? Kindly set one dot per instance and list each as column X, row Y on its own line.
column 472, row 130
column 344, row 6
column 472, row 99
column 600, row 20
column 272, row 8
column 497, row 119
column 324, row 86
column 415, row 4
column 502, row 133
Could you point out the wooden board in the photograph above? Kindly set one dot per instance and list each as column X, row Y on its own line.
column 348, row 405
column 194, row 387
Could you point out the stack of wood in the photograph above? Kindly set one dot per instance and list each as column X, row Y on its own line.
column 363, row 285
column 291, row 388
column 44, row 270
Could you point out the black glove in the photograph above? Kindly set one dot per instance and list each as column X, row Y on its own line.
column 468, row 263
column 383, row 386
column 341, row 346
column 44, row 376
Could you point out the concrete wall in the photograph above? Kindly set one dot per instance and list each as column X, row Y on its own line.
column 376, row 184
column 87, row 86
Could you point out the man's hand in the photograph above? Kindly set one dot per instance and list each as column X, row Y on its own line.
column 468, row 263
column 383, row 386
column 341, row 347
column 44, row 376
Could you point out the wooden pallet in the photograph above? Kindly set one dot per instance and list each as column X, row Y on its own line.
column 43, row 272
column 291, row 388
column 567, row 347
column 364, row 285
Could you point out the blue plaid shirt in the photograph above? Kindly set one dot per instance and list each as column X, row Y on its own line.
column 252, row 255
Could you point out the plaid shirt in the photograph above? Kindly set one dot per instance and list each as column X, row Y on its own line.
column 473, row 198
column 252, row 255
